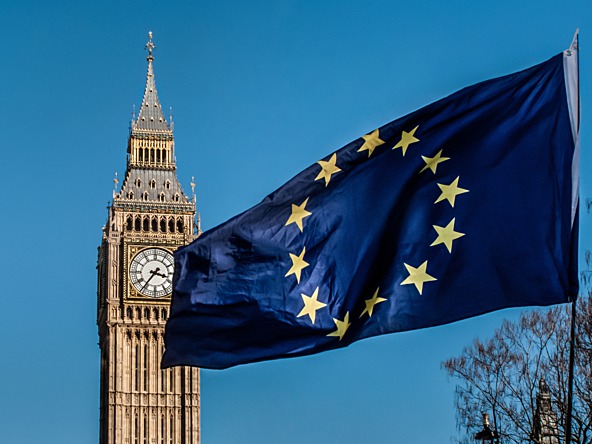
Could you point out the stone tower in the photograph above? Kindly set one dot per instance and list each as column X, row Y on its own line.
column 149, row 218
column 545, row 419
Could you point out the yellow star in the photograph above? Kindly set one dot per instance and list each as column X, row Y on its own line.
column 298, row 264
column 407, row 138
column 449, row 192
column 417, row 276
column 370, row 303
column 311, row 305
column 342, row 327
column 446, row 235
column 328, row 169
column 298, row 213
column 432, row 162
column 371, row 141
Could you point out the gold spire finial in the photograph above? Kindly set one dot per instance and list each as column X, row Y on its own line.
column 150, row 46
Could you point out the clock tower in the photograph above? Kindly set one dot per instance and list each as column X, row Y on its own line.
column 150, row 217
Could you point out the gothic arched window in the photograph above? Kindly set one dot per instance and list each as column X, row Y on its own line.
column 136, row 430
column 137, row 368
column 145, row 368
column 145, row 434
column 154, row 224
column 180, row 225
column 171, row 226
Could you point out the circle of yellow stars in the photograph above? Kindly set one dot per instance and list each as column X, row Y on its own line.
column 418, row 276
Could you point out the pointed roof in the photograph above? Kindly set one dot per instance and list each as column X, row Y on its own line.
column 150, row 117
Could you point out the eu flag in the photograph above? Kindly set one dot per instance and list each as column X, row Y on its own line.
column 465, row 206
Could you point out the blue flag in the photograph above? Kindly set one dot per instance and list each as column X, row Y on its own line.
column 465, row 206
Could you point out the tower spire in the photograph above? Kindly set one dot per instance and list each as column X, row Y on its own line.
column 150, row 118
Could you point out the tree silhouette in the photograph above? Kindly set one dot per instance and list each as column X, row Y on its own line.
column 501, row 375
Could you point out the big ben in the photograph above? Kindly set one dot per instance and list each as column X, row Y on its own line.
column 150, row 216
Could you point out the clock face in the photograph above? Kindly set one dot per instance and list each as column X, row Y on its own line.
column 151, row 272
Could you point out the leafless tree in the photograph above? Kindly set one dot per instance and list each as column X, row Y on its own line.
column 501, row 375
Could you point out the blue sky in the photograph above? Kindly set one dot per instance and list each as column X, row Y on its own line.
column 260, row 90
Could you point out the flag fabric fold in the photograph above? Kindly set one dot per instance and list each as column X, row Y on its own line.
column 458, row 209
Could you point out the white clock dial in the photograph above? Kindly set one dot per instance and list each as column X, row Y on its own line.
column 151, row 272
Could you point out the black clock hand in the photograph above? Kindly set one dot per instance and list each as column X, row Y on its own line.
column 152, row 273
column 156, row 272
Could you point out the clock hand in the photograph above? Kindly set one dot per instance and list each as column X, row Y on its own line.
column 152, row 274
column 156, row 272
